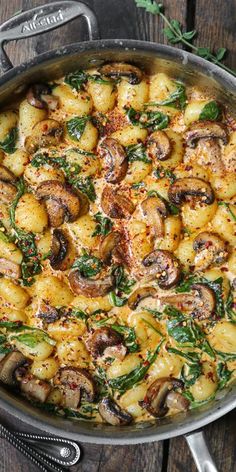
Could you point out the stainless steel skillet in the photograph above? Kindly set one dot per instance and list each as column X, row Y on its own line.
column 51, row 65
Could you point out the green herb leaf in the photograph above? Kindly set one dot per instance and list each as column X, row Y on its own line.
column 129, row 336
column 77, row 79
column 226, row 205
column 210, row 111
column 85, row 185
column 88, row 265
column 150, row 6
column 153, row 120
column 76, row 126
column 173, row 209
column 162, row 172
column 9, row 143
column 116, row 300
column 32, row 337
column 177, row 99
column 137, row 152
column 224, row 374
column 229, row 305
column 125, row 382
column 104, row 225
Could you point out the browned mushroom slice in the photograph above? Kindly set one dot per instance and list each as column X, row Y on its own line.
column 205, row 302
column 56, row 213
column 177, row 401
column 116, row 204
column 102, row 339
column 155, row 400
column 111, row 412
column 7, row 192
column 47, row 313
column 89, row 287
column 159, row 146
column 8, row 367
column 60, row 250
column 66, row 198
column 45, row 133
column 107, row 246
column 34, row 388
column 210, row 249
column 181, row 189
column 200, row 303
column 9, row 268
column 39, row 96
column 163, row 264
column 75, row 383
column 139, row 295
column 6, row 175
column 120, row 69
column 205, row 129
column 155, row 210
column 115, row 160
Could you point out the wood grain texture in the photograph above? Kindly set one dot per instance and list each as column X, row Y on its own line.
column 121, row 19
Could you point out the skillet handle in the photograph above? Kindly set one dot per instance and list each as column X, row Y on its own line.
column 198, row 446
column 41, row 19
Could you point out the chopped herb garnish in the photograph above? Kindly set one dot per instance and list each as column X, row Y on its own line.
column 177, row 99
column 122, row 286
column 79, row 78
column 162, row 172
column 153, row 120
column 224, row 374
column 129, row 334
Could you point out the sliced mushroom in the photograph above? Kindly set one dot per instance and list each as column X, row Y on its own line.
column 111, row 412
column 9, row 268
column 205, row 129
column 7, row 192
column 102, row 339
column 155, row 210
column 155, row 400
column 200, row 303
column 45, row 133
column 61, row 250
column 39, row 96
column 64, row 196
column 56, row 213
column 47, row 313
column 176, row 401
column 159, row 146
column 139, row 295
column 210, row 249
column 181, row 189
column 107, row 246
column 89, row 287
column 120, row 69
column 8, row 367
column 75, row 383
column 115, row 160
column 35, row 388
column 205, row 302
column 163, row 264
column 6, row 175
column 116, row 204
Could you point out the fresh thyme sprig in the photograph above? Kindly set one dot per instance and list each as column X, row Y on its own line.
column 175, row 34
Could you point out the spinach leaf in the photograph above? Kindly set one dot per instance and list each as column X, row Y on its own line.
column 77, row 313
column 9, row 143
column 76, row 126
column 224, row 374
column 5, row 348
column 116, row 300
column 157, row 314
column 88, row 265
column 168, row 173
column 122, row 284
column 32, row 337
column 177, row 99
column 76, row 79
column 194, row 403
column 226, row 356
column 186, row 284
column 31, row 263
column 226, row 205
column 129, row 336
column 104, row 225
column 138, row 185
column 210, row 111
column 125, row 382
column 85, row 185
column 153, row 120
column 57, row 161
column 137, row 152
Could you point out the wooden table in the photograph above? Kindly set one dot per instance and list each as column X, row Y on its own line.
column 215, row 23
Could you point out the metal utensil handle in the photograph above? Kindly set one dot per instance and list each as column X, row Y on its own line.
column 62, row 451
column 200, row 452
column 44, row 464
column 41, row 19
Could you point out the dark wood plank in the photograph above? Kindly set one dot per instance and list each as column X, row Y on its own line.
column 215, row 24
